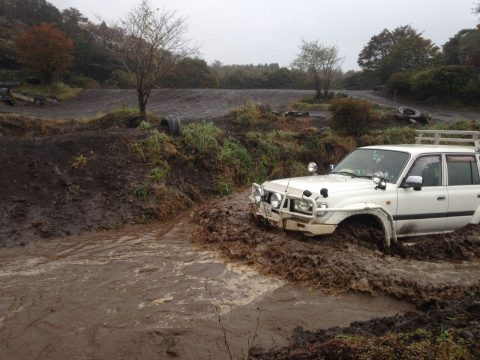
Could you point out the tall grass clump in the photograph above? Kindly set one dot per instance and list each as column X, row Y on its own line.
column 237, row 161
column 201, row 138
column 353, row 117
column 248, row 115
column 154, row 148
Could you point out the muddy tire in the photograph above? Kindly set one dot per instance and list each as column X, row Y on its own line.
column 362, row 230
column 173, row 125
column 410, row 112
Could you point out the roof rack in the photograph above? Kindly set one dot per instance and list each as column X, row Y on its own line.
column 449, row 136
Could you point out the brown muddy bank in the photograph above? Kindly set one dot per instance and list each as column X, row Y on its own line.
column 66, row 184
column 451, row 331
column 337, row 264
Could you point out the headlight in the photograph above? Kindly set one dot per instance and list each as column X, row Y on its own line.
column 312, row 168
column 276, row 200
column 302, row 206
column 321, row 206
column 258, row 195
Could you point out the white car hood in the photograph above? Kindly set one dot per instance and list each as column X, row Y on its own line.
column 334, row 184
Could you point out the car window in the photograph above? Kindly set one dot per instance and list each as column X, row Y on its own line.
column 462, row 170
column 364, row 162
column 429, row 168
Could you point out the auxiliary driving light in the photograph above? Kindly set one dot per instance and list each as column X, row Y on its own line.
column 312, row 168
column 258, row 194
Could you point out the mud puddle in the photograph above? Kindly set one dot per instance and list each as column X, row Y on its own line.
column 146, row 292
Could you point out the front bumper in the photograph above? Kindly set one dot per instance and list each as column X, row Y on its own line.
column 290, row 220
column 313, row 223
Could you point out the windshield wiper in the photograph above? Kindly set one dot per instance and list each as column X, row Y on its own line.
column 346, row 173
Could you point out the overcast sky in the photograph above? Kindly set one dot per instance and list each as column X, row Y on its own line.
column 268, row 31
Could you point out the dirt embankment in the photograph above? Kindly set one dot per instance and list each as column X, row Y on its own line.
column 64, row 180
column 338, row 263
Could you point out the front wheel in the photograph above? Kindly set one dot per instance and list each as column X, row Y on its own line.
column 365, row 230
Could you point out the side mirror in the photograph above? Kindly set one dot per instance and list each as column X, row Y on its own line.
column 414, row 182
column 378, row 179
column 312, row 168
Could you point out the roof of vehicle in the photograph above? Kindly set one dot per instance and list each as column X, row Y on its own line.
column 416, row 149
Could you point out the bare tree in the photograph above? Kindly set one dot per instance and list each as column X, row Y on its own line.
column 151, row 43
column 319, row 62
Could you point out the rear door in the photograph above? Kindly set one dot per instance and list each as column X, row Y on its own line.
column 425, row 210
column 463, row 189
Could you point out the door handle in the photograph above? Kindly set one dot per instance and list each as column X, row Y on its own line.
column 441, row 198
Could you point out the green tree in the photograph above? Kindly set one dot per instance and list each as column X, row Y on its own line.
column 463, row 48
column 398, row 50
column 190, row 73
column 319, row 62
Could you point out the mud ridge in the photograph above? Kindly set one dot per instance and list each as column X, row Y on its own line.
column 336, row 264
column 450, row 331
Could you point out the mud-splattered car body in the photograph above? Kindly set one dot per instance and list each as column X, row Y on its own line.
column 410, row 190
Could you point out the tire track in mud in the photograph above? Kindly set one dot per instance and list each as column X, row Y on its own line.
column 337, row 264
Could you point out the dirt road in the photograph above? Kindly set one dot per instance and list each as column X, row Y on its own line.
column 148, row 293
column 202, row 104
column 437, row 113
column 194, row 104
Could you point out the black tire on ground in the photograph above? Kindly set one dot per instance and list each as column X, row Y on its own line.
column 363, row 230
column 173, row 125
column 410, row 112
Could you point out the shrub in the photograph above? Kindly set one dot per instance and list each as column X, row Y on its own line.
column 79, row 161
column 400, row 83
column 81, row 81
column 154, row 148
column 246, row 115
column 160, row 172
column 236, row 160
column 141, row 191
column 352, row 117
column 201, row 138
column 447, row 83
column 395, row 136
column 144, row 125
column 223, row 187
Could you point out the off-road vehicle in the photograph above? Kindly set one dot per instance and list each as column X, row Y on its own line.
column 404, row 190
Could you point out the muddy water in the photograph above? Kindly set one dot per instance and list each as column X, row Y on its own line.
column 147, row 293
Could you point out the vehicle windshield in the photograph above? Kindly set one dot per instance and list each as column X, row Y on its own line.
column 365, row 162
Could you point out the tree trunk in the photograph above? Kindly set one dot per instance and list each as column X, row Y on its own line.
column 142, row 105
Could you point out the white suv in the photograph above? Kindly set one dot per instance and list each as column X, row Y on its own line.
column 409, row 190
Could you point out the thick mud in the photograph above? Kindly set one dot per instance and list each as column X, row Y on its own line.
column 447, row 332
column 335, row 263
column 146, row 292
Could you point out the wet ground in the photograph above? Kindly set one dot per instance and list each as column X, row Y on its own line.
column 187, row 104
column 203, row 104
column 339, row 262
column 145, row 292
